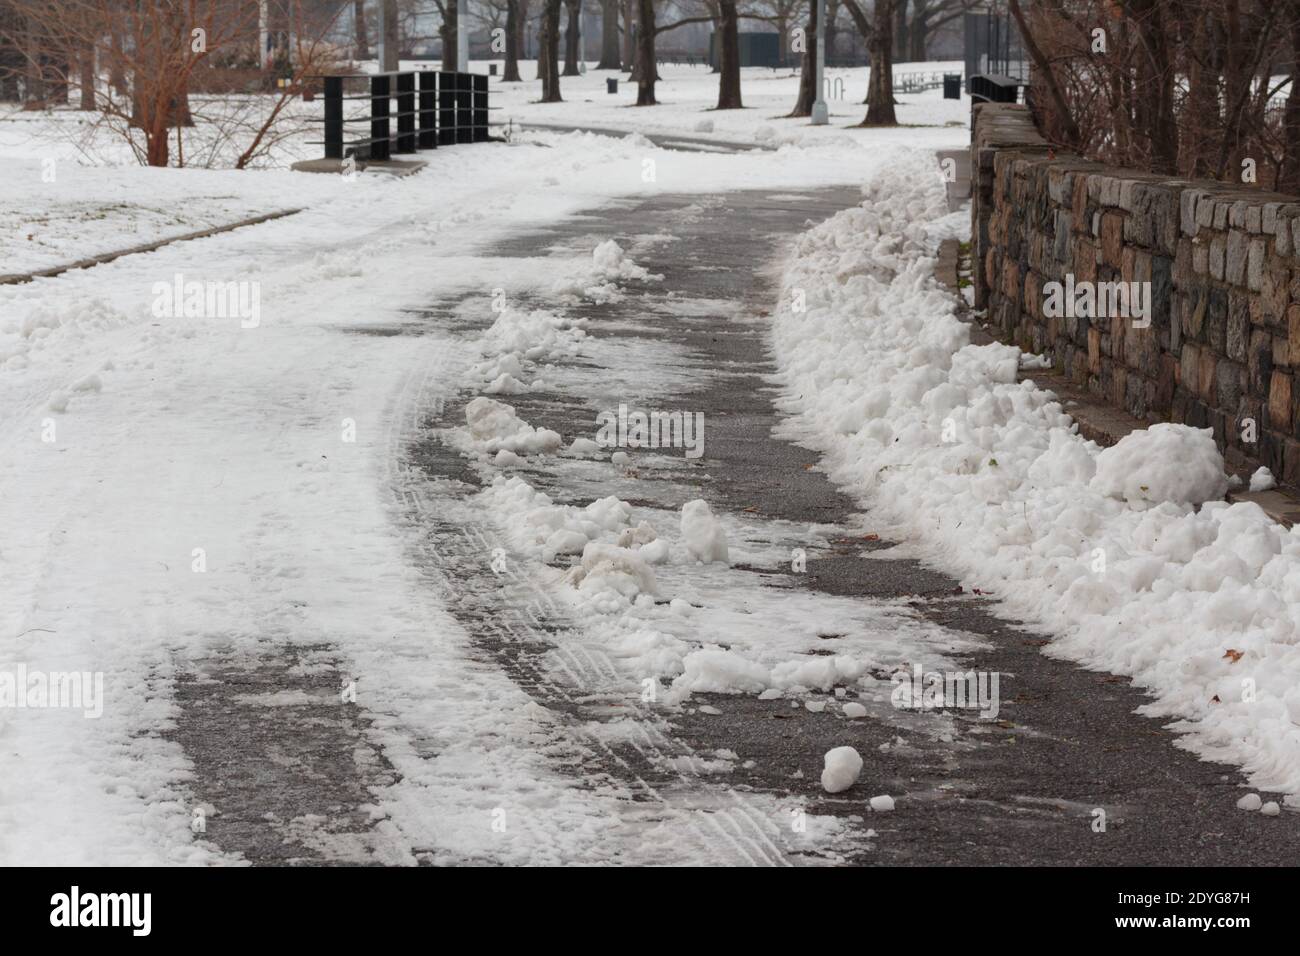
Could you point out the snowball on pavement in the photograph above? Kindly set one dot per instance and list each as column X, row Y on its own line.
column 1270, row 809
column 854, row 711
column 1166, row 462
column 842, row 767
column 1250, row 801
column 1262, row 480
column 702, row 532
column 882, row 803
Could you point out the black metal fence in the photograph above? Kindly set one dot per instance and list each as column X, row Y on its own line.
column 430, row 109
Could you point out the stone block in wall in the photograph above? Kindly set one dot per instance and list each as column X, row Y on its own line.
column 1206, row 386
column 1230, row 383
column 1200, row 257
column 1062, row 226
column 1237, row 339
column 1259, row 362
column 1011, row 281
column 1234, row 269
column 1033, row 302
column 1197, row 414
column 1255, row 264
column 1281, row 350
column 1237, row 214
column 1187, row 210
column 1280, row 412
column 1084, row 260
column 1216, row 319
column 1218, row 256
column 1254, row 220
column 1189, row 368
column 1112, row 238
column 1293, row 332
column 1275, row 294
column 1166, row 381
column 1291, row 461
column 1220, row 223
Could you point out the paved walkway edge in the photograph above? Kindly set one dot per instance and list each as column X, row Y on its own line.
column 90, row 262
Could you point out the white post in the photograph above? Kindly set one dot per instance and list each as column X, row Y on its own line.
column 820, row 114
column 462, row 35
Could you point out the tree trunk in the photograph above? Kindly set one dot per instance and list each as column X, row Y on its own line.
column 450, row 33
column 116, row 74
column 808, row 72
column 645, row 41
column 359, row 25
column 551, row 51
column 88, row 76
column 918, row 31
column 729, row 57
column 898, row 51
column 34, row 95
column 511, row 72
column 571, row 52
column 880, row 91
column 629, row 49
column 609, row 52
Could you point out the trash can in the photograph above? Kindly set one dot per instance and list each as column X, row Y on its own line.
column 611, row 85
column 952, row 86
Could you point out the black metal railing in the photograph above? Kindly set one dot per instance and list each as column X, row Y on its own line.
column 431, row 109
column 995, row 88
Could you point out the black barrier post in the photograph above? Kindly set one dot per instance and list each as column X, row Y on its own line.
column 428, row 138
column 464, row 108
column 480, row 107
column 379, row 110
column 405, row 113
column 333, row 117
column 446, row 109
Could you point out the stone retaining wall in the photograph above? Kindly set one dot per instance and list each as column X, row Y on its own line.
column 1224, row 272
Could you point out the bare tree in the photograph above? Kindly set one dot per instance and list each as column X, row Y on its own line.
column 728, row 56
column 549, row 55
column 609, row 50
column 880, row 89
column 511, row 72
column 571, row 38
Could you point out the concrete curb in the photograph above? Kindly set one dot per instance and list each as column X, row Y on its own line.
column 52, row 271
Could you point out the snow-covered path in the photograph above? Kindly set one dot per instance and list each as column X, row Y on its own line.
column 193, row 501
column 365, row 583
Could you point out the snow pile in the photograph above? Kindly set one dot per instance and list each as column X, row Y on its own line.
column 1163, row 463
column 493, row 426
column 598, row 281
column 1262, row 480
column 1200, row 605
column 519, row 341
column 543, row 529
column 842, row 767
column 702, row 533
column 609, row 568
